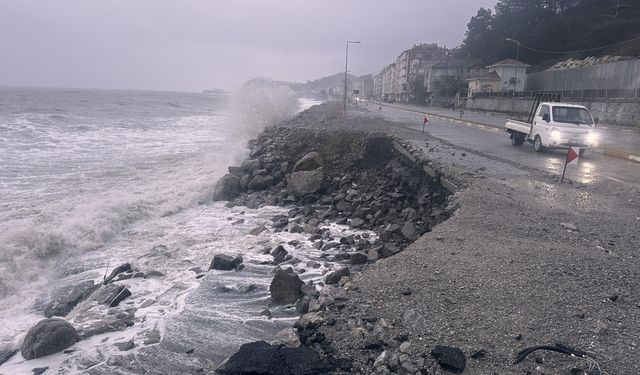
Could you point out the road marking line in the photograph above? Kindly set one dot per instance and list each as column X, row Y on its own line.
column 616, row 180
column 446, row 118
column 634, row 158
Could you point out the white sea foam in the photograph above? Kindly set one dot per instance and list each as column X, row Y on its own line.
column 70, row 189
column 192, row 238
column 87, row 192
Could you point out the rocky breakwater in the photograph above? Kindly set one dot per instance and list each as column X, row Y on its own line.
column 366, row 181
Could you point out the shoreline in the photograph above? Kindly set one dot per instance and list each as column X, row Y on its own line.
column 479, row 270
column 331, row 238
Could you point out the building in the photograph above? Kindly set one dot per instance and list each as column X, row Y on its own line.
column 489, row 82
column 449, row 78
column 377, row 86
column 365, row 86
column 403, row 80
column 383, row 82
column 411, row 67
column 512, row 74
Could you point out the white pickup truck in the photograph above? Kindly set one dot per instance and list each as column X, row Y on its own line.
column 556, row 125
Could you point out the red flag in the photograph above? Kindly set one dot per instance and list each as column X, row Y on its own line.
column 426, row 120
column 571, row 155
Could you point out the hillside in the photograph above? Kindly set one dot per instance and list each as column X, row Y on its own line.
column 553, row 25
column 336, row 80
column 322, row 88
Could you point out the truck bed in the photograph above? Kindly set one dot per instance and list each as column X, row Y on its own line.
column 518, row 126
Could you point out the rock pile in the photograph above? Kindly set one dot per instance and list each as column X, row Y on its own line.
column 587, row 62
column 370, row 182
column 363, row 181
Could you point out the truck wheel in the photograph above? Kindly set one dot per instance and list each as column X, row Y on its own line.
column 517, row 139
column 537, row 144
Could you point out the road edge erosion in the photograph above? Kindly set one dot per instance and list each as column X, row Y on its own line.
column 364, row 180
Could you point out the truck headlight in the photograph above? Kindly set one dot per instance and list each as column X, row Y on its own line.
column 593, row 137
column 555, row 134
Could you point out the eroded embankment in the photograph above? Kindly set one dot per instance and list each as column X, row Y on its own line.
column 368, row 181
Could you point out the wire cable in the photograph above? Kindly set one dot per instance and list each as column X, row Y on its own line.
column 576, row 51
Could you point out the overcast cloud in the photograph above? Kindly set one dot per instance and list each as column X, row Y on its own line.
column 197, row 44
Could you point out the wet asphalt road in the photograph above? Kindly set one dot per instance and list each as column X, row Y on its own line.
column 591, row 168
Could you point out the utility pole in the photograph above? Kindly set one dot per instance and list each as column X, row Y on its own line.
column 515, row 74
column 346, row 67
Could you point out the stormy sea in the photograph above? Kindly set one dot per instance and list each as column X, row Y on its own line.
column 92, row 179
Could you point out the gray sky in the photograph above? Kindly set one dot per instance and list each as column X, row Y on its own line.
column 197, row 44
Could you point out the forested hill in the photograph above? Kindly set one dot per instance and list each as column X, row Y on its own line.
column 553, row 25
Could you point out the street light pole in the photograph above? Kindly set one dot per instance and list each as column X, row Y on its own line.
column 346, row 66
column 515, row 74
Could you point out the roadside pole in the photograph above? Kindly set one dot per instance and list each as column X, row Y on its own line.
column 346, row 72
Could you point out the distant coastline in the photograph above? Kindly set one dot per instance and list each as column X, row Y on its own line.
column 213, row 91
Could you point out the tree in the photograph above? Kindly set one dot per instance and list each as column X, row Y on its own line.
column 479, row 40
column 555, row 25
column 450, row 85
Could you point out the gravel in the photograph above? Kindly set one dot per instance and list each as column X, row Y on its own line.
column 503, row 266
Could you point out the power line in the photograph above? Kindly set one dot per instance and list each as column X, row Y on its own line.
column 577, row 51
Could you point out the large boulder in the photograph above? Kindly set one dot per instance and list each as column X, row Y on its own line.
column 250, row 165
column 358, row 258
column 224, row 262
column 335, row 276
column 227, row 188
column 112, row 322
column 287, row 337
column 260, row 182
column 48, row 336
column 64, row 299
column 409, row 231
column 125, row 267
column 111, row 295
column 305, row 182
column 390, row 250
column 262, row 358
column 285, row 287
column 279, row 254
column 309, row 162
column 449, row 358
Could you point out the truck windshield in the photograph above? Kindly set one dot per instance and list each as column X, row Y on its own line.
column 572, row 115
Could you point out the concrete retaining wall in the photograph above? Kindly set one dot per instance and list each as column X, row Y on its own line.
column 609, row 113
column 617, row 75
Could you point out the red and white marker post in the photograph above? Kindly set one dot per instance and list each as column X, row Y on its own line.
column 572, row 157
column 425, row 121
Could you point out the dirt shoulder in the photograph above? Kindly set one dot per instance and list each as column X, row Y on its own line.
column 522, row 262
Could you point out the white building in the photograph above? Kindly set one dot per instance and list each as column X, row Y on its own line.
column 513, row 74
